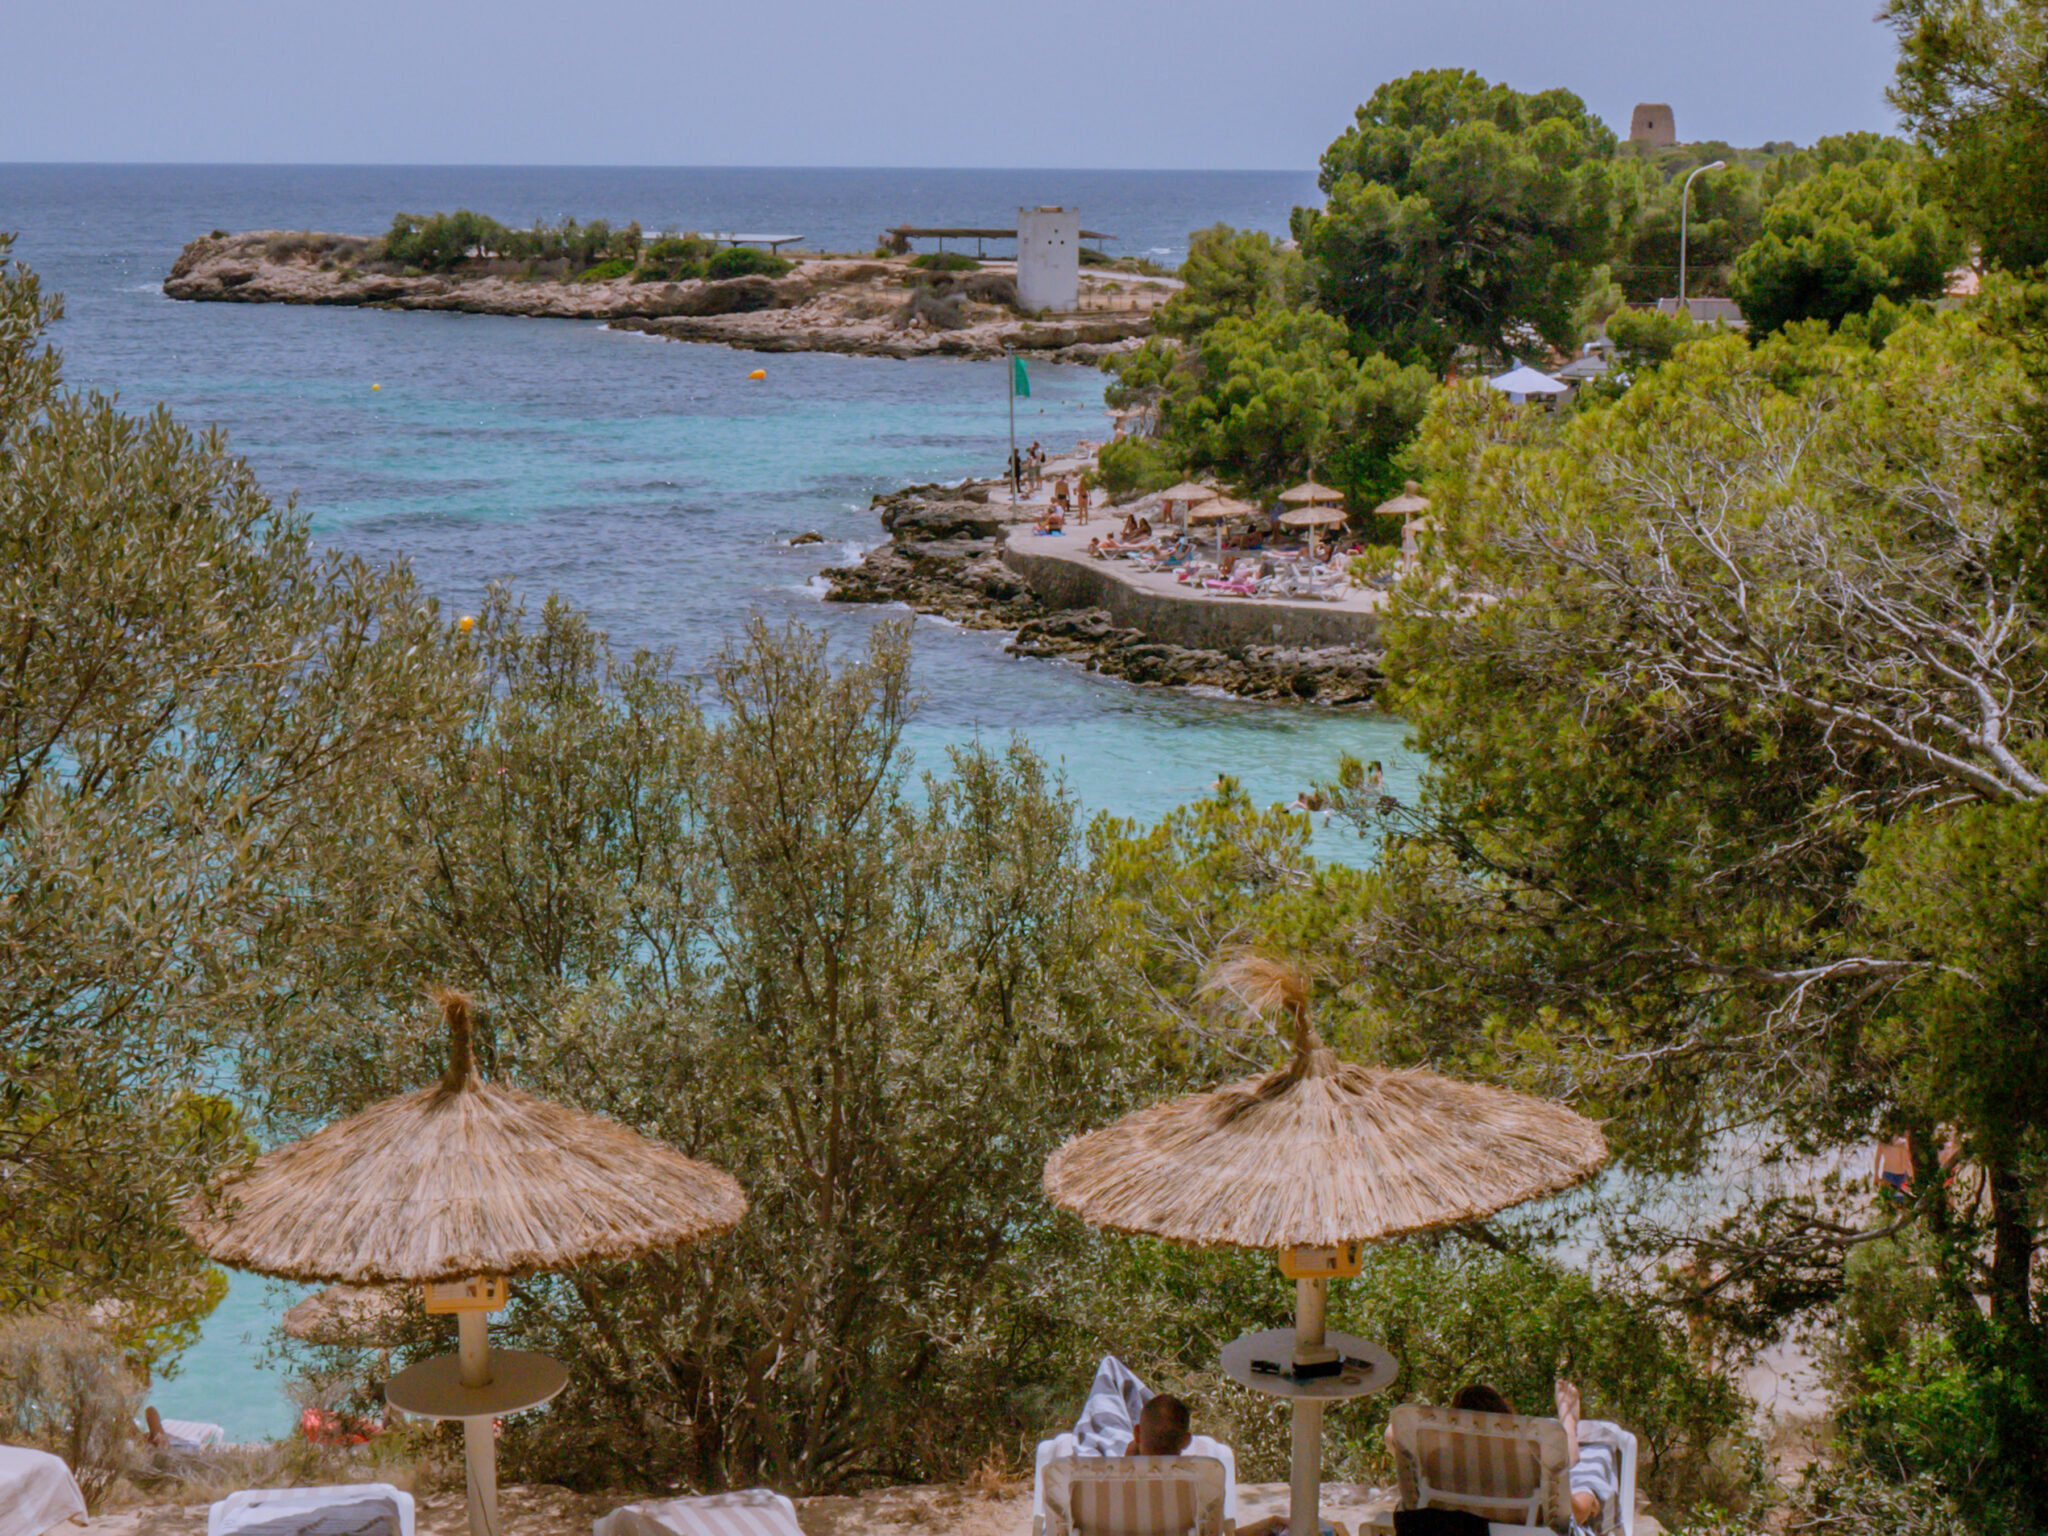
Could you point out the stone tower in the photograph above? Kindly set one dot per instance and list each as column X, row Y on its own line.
column 1652, row 124
column 1048, row 258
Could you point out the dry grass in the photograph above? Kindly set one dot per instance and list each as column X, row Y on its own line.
column 1321, row 1151
column 464, row 1178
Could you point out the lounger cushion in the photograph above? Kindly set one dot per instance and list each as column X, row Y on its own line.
column 749, row 1512
column 1135, row 1495
column 1499, row 1466
column 348, row 1509
column 37, row 1492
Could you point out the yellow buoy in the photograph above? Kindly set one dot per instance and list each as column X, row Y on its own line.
column 758, row 373
column 376, row 386
column 465, row 623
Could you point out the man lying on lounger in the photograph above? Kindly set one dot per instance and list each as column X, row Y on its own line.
column 1124, row 1417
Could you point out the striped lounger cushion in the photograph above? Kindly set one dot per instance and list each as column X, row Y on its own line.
column 1135, row 1496
column 750, row 1512
column 1498, row 1466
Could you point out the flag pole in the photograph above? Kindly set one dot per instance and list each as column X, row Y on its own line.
column 1010, row 372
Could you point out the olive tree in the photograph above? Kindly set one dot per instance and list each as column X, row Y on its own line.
column 730, row 917
column 186, row 690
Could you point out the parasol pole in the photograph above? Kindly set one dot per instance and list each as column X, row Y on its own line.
column 479, row 1443
column 1304, row 1483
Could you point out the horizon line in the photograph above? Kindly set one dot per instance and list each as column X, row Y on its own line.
column 648, row 165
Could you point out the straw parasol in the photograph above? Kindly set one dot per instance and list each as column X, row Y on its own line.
column 1406, row 505
column 1321, row 1154
column 1188, row 493
column 345, row 1314
column 1220, row 510
column 456, row 1187
column 1312, row 517
column 1309, row 494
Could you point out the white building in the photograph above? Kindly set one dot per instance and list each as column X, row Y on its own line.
column 1048, row 258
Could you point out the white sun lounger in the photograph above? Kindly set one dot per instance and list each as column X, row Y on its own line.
column 346, row 1509
column 1512, row 1471
column 750, row 1512
column 37, row 1492
column 1192, row 1494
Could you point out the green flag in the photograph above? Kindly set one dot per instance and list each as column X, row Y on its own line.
column 1020, row 381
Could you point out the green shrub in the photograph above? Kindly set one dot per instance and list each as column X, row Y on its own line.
column 745, row 261
column 1368, row 565
column 1132, row 466
column 605, row 271
column 945, row 261
column 674, row 259
column 63, row 1390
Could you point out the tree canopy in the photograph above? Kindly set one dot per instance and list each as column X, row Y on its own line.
column 1751, row 696
column 1459, row 213
column 1973, row 84
column 1835, row 245
column 189, row 692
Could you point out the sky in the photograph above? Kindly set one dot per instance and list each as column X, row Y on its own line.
column 1124, row 84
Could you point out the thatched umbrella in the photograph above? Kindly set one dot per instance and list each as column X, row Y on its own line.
column 1187, row 495
column 456, row 1187
column 345, row 1314
column 1322, row 1154
column 1309, row 494
column 1406, row 505
column 1220, row 510
column 1312, row 517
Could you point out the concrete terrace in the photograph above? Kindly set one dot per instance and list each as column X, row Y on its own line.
column 1064, row 575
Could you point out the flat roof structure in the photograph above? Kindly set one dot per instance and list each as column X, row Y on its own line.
column 773, row 242
column 905, row 233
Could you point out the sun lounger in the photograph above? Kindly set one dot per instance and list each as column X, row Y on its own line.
column 751, row 1512
column 37, row 1492
column 1507, row 1469
column 191, row 1434
column 347, row 1509
column 1192, row 1494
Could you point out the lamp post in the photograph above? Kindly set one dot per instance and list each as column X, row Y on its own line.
column 1684, row 207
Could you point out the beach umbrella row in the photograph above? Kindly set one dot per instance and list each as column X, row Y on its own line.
column 459, row 1186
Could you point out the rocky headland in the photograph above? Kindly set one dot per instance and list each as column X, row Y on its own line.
column 945, row 557
column 870, row 307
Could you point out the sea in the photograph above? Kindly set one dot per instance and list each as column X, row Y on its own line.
column 647, row 481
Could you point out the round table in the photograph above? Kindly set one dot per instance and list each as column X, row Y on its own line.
column 1306, row 1398
column 433, row 1389
column 1277, row 1345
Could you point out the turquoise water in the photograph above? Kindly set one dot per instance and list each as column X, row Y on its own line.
column 647, row 481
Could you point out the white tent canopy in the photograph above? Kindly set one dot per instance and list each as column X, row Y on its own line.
column 1522, row 381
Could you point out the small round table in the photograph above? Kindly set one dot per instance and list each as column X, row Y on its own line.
column 433, row 1388
column 1306, row 1398
column 1277, row 1345
column 515, row 1379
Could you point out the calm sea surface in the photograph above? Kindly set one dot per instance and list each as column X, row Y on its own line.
column 644, row 480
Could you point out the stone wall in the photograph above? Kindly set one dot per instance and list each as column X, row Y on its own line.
column 1193, row 622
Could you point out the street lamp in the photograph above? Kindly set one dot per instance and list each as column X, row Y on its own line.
column 1684, row 207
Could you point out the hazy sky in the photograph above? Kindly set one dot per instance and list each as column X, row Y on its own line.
column 1220, row 84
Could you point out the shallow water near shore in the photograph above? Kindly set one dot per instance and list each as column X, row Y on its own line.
column 648, row 482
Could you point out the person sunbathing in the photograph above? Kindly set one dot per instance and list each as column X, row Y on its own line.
column 1124, row 1417
column 1051, row 520
column 1594, row 1475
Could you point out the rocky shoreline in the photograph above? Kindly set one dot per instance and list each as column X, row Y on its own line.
column 944, row 557
column 871, row 308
